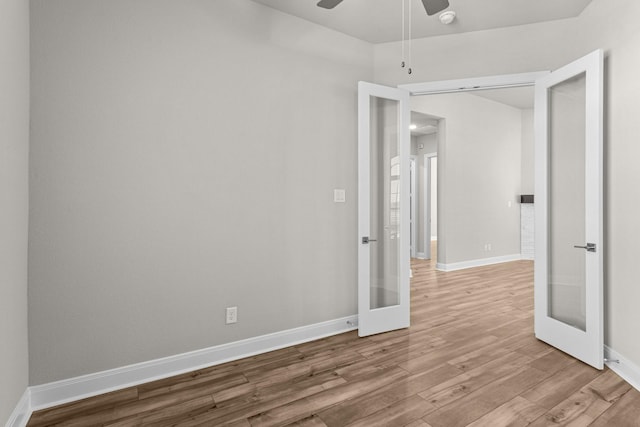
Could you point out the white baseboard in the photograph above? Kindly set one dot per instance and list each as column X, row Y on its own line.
column 477, row 262
column 59, row 392
column 626, row 369
column 21, row 414
column 421, row 255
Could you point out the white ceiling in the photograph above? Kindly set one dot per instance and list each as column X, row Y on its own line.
column 425, row 124
column 518, row 97
column 379, row 21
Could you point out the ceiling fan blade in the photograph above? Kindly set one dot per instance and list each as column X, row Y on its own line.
column 329, row 4
column 434, row 6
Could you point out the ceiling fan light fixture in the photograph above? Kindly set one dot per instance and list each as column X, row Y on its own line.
column 447, row 17
column 328, row 4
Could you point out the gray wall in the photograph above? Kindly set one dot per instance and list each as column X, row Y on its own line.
column 14, row 149
column 414, row 145
column 479, row 175
column 184, row 156
column 430, row 143
column 612, row 26
column 528, row 152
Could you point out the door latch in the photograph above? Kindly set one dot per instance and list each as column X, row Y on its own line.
column 366, row 240
column 590, row 247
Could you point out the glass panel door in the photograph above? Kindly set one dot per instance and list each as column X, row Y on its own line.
column 568, row 208
column 384, row 192
column 383, row 201
column 567, row 265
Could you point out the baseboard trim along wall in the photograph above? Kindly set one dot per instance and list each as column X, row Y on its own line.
column 21, row 414
column 477, row 262
column 624, row 368
column 59, row 392
column 64, row 391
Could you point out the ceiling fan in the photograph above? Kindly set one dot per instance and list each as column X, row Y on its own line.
column 431, row 6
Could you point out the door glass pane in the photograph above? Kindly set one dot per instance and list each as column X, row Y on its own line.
column 385, row 203
column 567, row 279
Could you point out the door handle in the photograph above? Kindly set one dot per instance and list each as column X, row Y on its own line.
column 590, row 247
column 366, row 240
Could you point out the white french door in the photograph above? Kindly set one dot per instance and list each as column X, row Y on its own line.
column 383, row 208
column 568, row 209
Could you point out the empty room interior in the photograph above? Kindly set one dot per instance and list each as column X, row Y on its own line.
column 265, row 212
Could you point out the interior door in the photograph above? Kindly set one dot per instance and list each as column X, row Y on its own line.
column 568, row 209
column 383, row 208
column 413, row 226
column 430, row 196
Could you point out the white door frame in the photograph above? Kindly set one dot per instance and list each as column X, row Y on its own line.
column 427, row 203
column 412, row 194
column 414, row 89
column 467, row 85
column 594, row 118
column 474, row 83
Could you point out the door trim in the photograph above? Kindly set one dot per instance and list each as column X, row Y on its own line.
column 475, row 83
column 488, row 82
column 413, row 194
column 427, row 203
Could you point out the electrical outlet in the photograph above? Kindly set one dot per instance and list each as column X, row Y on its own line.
column 232, row 315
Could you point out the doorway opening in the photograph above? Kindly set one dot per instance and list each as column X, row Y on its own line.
column 424, row 147
column 478, row 159
column 485, row 194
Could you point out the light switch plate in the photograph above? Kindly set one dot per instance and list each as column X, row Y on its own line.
column 339, row 195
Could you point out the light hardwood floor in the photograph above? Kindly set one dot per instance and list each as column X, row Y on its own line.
column 469, row 359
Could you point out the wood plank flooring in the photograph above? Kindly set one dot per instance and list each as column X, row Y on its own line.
column 469, row 359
